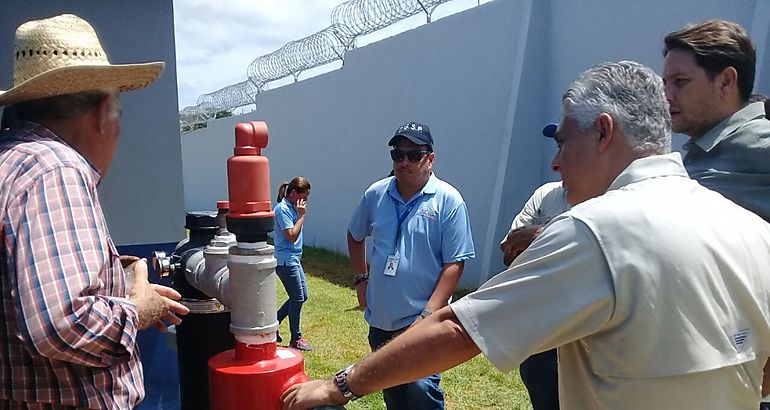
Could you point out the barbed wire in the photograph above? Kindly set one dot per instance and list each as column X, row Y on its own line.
column 361, row 17
column 297, row 56
column 350, row 20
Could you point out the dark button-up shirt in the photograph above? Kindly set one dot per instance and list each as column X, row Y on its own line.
column 733, row 158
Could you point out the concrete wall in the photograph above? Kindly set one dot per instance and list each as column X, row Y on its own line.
column 485, row 80
column 334, row 129
column 142, row 194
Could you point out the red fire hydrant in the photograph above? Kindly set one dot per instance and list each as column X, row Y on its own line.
column 256, row 372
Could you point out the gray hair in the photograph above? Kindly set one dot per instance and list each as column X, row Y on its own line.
column 61, row 106
column 632, row 94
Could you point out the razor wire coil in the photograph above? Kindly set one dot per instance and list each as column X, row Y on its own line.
column 350, row 20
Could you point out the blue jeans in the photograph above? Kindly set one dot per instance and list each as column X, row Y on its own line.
column 423, row 394
column 293, row 279
column 541, row 377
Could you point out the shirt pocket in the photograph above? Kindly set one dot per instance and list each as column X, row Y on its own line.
column 113, row 274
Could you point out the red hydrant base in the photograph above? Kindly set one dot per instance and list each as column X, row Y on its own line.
column 243, row 385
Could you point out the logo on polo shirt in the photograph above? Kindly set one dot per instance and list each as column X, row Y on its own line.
column 426, row 211
column 739, row 338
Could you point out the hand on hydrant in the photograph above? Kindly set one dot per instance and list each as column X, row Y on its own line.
column 156, row 304
column 312, row 394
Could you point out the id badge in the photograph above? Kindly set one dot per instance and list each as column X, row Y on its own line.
column 391, row 265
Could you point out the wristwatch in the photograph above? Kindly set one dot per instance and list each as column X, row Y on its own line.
column 425, row 313
column 341, row 380
column 361, row 277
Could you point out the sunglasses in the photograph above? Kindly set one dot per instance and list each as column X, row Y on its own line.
column 414, row 156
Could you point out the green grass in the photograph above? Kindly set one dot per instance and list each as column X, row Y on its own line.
column 333, row 323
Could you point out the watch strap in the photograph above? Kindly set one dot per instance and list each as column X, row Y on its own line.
column 360, row 278
column 341, row 380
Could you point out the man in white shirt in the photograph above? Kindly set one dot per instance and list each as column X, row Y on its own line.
column 539, row 372
column 548, row 201
column 662, row 283
column 709, row 71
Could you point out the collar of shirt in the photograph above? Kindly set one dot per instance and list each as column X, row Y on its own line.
column 288, row 203
column 650, row 167
column 30, row 131
column 727, row 126
column 430, row 187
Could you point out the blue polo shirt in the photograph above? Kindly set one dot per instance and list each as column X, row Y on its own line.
column 436, row 230
column 286, row 253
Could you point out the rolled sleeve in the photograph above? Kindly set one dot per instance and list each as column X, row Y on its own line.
column 559, row 290
column 524, row 217
column 360, row 224
column 284, row 218
column 457, row 239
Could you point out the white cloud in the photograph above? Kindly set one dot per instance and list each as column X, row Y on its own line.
column 216, row 43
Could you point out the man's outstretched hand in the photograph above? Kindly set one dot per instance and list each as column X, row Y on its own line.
column 156, row 304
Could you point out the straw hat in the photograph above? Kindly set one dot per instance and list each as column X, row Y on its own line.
column 62, row 55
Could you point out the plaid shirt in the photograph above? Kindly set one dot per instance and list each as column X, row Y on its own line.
column 68, row 334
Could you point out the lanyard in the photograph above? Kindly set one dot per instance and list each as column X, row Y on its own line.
column 401, row 217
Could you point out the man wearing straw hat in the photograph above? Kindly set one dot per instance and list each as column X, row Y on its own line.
column 70, row 315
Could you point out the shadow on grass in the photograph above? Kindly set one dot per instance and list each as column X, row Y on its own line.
column 329, row 266
column 335, row 268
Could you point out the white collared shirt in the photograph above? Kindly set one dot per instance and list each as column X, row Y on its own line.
column 656, row 294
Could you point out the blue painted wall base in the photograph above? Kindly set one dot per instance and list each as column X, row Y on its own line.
column 161, row 375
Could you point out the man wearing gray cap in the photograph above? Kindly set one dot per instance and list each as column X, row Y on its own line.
column 421, row 234
column 70, row 315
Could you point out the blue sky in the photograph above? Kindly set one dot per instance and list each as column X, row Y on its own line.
column 215, row 44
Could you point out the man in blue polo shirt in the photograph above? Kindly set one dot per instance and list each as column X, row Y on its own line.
column 421, row 238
